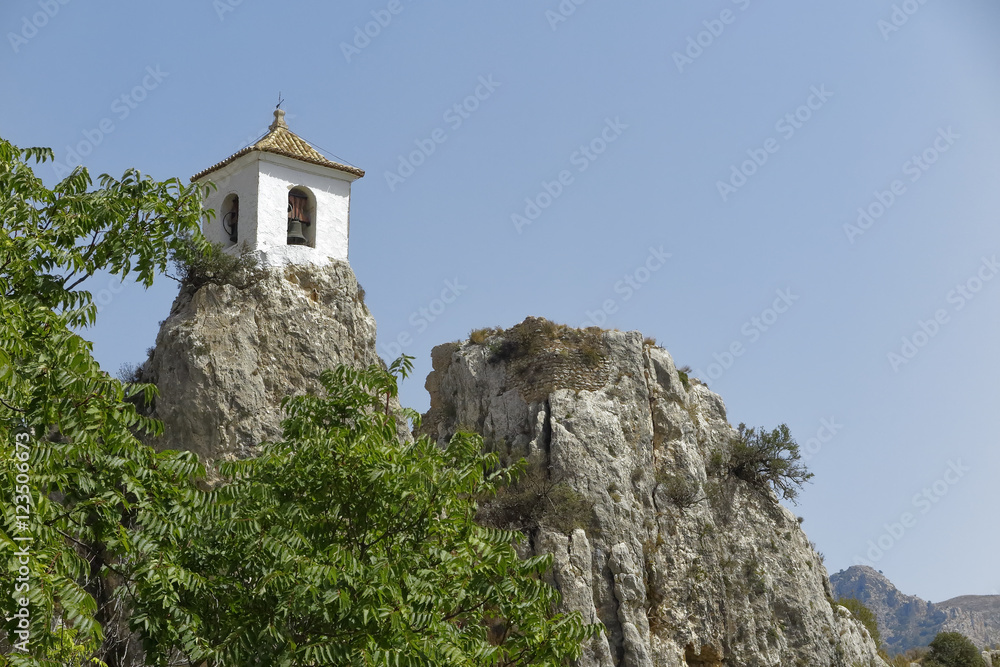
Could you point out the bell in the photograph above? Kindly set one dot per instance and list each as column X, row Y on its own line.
column 295, row 235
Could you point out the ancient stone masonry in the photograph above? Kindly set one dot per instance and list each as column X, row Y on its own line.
column 681, row 565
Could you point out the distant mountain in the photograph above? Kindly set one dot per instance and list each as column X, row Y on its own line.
column 907, row 621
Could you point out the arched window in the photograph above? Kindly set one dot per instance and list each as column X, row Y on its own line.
column 231, row 218
column 299, row 221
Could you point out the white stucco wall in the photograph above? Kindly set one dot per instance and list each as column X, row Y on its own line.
column 331, row 225
column 262, row 182
column 239, row 177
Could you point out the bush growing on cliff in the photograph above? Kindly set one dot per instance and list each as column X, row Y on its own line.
column 198, row 265
column 533, row 499
column 764, row 459
column 535, row 334
column 680, row 490
column 684, row 373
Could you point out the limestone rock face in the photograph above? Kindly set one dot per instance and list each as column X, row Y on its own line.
column 680, row 565
column 975, row 616
column 909, row 622
column 225, row 357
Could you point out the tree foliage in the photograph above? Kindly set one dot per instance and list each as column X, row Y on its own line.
column 953, row 649
column 767, row 460
column 345, row 545
column 74, row 480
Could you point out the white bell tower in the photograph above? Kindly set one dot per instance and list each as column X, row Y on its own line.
column 282, row 199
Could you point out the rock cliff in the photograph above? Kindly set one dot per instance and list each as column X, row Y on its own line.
column 225, row 357
column 975, row 616
column 683, row 565
column 906, row 621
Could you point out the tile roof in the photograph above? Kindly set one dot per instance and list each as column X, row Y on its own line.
column 282, row 141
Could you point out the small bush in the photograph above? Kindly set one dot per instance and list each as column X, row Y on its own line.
column 767, row 460
column 533, row 500
column 215, row 266
column 534, row 335
column 479, row 336
column 592, row 353
column 680, row 490
column 717, row 463
column 684, row 374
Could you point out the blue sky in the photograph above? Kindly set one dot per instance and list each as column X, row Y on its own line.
column 740, row 137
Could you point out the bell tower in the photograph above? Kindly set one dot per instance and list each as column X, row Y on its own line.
column 282, row 199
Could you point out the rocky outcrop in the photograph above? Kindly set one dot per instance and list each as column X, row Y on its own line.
column 683, row 565
column 906, row 621
column 975, row 616
column 225, row 357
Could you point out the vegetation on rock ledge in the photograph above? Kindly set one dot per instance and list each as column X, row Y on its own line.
column 766, row 460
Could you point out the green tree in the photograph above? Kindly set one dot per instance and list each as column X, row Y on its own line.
column 82, row 499
column 865, row 616
column 953, row 649
column 767, row 459
column 345, row 545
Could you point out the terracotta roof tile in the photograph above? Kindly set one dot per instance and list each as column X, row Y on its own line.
column 282, row 141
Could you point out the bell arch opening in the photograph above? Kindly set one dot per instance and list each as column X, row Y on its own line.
column 231, row 219
column 301, row 217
